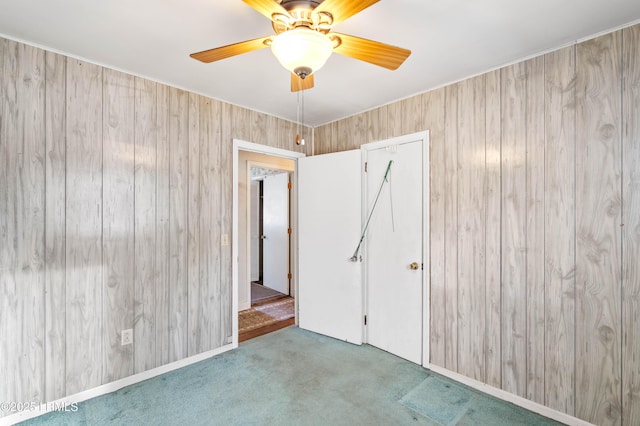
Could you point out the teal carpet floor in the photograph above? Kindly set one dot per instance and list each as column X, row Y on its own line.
column 294, row 377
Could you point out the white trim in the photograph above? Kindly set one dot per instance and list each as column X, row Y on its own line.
column 426, row 249
column 423, row 137
column 111, row 387
column 509, row 397
column 240, row 145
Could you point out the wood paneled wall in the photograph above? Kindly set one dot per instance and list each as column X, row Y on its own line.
column 535, row 223
column 114, row 194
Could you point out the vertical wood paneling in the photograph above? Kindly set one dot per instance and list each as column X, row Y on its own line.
column 631, row 230
column 6, row 279
column 344, row 134
column 376, row 123
column 286, row 135
column 514, row 210
column 307, row 149
column 210, row 193
column 260, row 130
column 335, row 137
column 178, row 217
column 115, row 191
column 22, row 223
column 598, row 232
column 197, row 292
column 226, row 158
column 322, row 139
column 471, row 227
column 360, row 131
column 451, row 227
column 412, row 115
column 560, row 230
column 118, row 149
column 162, row 227
column 533, row 226
column 535, row 230
column 493, row 193
column 31, row 222
column 394, row 120
column 286, row 132
column 55, row 237
column 84, row 227
column 10, row 142
column 384, row 120
column 146, row 133
column 433, row 110
column 234, row 126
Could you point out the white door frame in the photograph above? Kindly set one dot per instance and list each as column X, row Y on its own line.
column 426, row 291
column 240, row 145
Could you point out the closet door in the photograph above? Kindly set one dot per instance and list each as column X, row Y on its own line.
column 329, row 206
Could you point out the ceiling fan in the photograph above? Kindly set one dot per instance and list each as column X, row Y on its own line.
column 303, row 39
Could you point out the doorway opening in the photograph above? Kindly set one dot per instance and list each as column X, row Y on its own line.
column 263, row 239
column 271, row 301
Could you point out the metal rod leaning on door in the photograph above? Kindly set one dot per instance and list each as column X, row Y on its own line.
column 355, row 257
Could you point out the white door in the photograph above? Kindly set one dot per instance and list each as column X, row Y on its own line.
column 275, row 232
column 254, row 230
column 394, row 242
column 330, row 284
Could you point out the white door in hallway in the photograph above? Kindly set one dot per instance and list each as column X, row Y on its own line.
column 275, row 232
column 395, row 244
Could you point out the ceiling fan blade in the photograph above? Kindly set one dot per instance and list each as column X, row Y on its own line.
column 298, row 84
column 343, row 9
column 223, row 52
column 268, row 8
column 376, row 53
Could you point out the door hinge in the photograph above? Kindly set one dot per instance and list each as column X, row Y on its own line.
column 289, row 185
column 289, row 275
column 365, row 320
column 365, row 166
column 289, row 231
column 422, row 266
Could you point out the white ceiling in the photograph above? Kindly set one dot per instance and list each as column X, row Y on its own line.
column 449, row 40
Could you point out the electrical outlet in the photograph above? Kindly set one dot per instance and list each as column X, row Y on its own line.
column 225, row 239
column 126, row 337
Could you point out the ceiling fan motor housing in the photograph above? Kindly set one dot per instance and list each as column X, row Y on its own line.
column 291, row 4
column 300, row 15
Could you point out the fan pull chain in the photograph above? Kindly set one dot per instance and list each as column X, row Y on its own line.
column 300, row 118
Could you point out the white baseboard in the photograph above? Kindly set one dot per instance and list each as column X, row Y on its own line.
column 509, row 397
column 71, row 400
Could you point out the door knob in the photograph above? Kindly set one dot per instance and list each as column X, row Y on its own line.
column 414, row 266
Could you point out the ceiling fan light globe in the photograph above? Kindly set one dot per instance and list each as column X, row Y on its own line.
column 302, row 50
